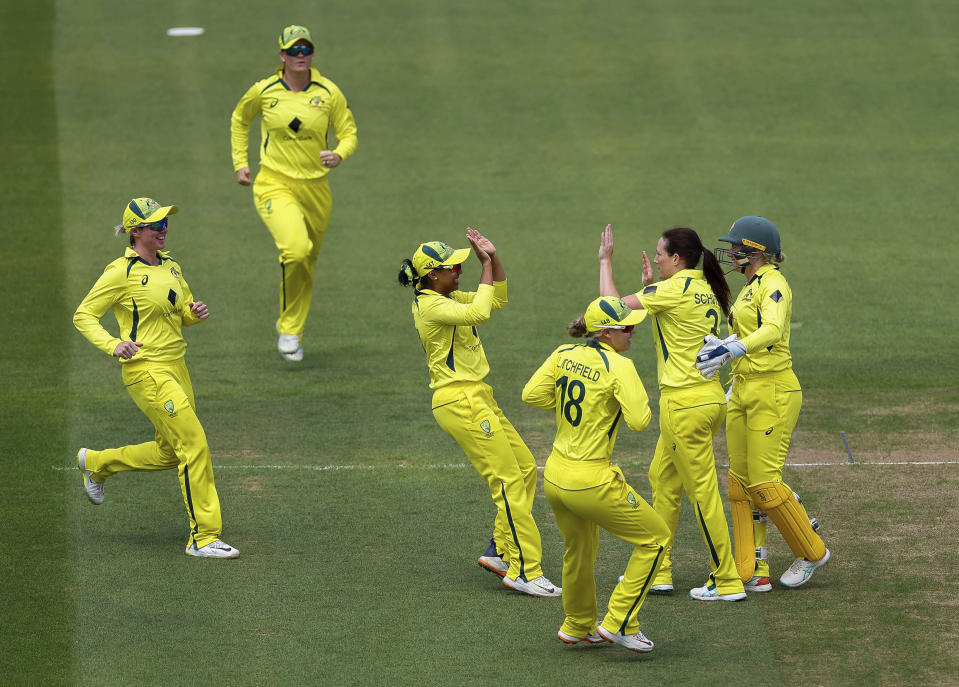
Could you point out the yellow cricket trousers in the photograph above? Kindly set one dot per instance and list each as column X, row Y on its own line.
column 468, row 413
column 618, row 509
column 164, row 393
column 763, row 412
column 297, row 212
column 689, row 418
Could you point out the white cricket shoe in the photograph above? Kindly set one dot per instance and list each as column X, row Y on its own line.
column 801, row 570
column 215, row 549
column 93, row 488
column 708, row 592
column 758, row 584
column 294, row 357
column 288, row 343
column 592, row 638
column 661, row 589
column 540, row 587
column 492, row 561
column 637, row 642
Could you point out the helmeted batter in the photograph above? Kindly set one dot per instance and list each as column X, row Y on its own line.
column 298, row 106
column 686, row 305
column 592, row 389
column 446, row 320
column 152, row 302
column 763, row 409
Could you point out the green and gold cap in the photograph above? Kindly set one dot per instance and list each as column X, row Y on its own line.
column 610, row 312
column 294, row 33
column 435, row 254
column 144, row 211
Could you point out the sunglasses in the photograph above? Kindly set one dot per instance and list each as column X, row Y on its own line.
column 628, row 329
column 155, row 226
column 455, row 269
column 297, row 50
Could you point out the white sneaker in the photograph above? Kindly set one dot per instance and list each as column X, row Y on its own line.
column 801, row 570
column 215, row 549
column 294, row 357
column 93, row 488
column 758, row 584
column 540, row 587
column 288, row 343
column 637, row 642
column 492, row 561
column 592, row 638
column 708, row 593
column 661, row 589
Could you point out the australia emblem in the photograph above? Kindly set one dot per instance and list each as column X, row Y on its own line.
column 484, row 425
column 631, row 498
column 168, row 406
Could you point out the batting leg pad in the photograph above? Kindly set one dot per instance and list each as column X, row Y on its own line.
column 789, row 517
column 744, row 550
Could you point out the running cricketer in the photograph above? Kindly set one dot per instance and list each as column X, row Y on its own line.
column 297, row 107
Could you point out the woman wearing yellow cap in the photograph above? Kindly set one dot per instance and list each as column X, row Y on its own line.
column 591, row 387
column 298, row 106
column 463, row 405
column 152, row 303
column 685, row 306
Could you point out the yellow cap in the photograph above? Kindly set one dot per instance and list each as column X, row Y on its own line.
column 435, row 254
column 610, row 312
column 144, row 211
column 292, row 34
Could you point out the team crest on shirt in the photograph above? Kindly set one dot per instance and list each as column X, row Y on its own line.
column 168, row 406
column 748, row 296
column 317, row 102
column 631, row 499
column 175, row 272
column 484, row 425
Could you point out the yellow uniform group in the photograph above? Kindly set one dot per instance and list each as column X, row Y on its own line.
column 683, row 310
column 151, row 306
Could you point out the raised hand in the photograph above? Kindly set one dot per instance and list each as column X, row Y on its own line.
column 606, row 244
column 480, row 241
column 647, row 270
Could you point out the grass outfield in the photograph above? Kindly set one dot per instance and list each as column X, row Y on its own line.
column 538, row 124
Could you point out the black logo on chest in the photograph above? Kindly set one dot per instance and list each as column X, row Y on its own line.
column 295, row 124
column 172, row 297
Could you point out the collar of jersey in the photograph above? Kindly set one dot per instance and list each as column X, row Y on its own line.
column 315, row 77
column 130, row 253
column 687, row 273
column 761, row 271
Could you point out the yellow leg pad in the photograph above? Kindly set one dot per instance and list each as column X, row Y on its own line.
column 743, row 542
column 789, row 517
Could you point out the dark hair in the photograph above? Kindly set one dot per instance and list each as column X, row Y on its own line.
column 686, row 243
column 407, row 275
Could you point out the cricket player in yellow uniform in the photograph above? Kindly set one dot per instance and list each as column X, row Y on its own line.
column 764, row 402
column 591, row 387
column 685, row 305
column 152, row 303
column 446, row 319
column 297, row 108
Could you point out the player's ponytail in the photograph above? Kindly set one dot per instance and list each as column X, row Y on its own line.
column 577, row 329
column 686, row 243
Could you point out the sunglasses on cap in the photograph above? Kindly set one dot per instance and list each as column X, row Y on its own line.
column 155, row 226
column 628, row 329
column 455, row 269
column 297, row 50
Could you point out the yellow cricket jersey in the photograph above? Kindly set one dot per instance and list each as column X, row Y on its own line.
column 294, row 125
column 150, row 303
column 684, row 310
column 760, row 316
column 447, row 328
column 591, row 388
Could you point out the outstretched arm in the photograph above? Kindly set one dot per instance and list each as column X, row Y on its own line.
column 607, row 287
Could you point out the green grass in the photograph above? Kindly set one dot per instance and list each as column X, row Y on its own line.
column 538, row 123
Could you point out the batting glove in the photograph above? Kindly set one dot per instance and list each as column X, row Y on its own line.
column 709, row 360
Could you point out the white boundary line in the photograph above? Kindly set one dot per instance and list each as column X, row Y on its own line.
column 459, row 466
